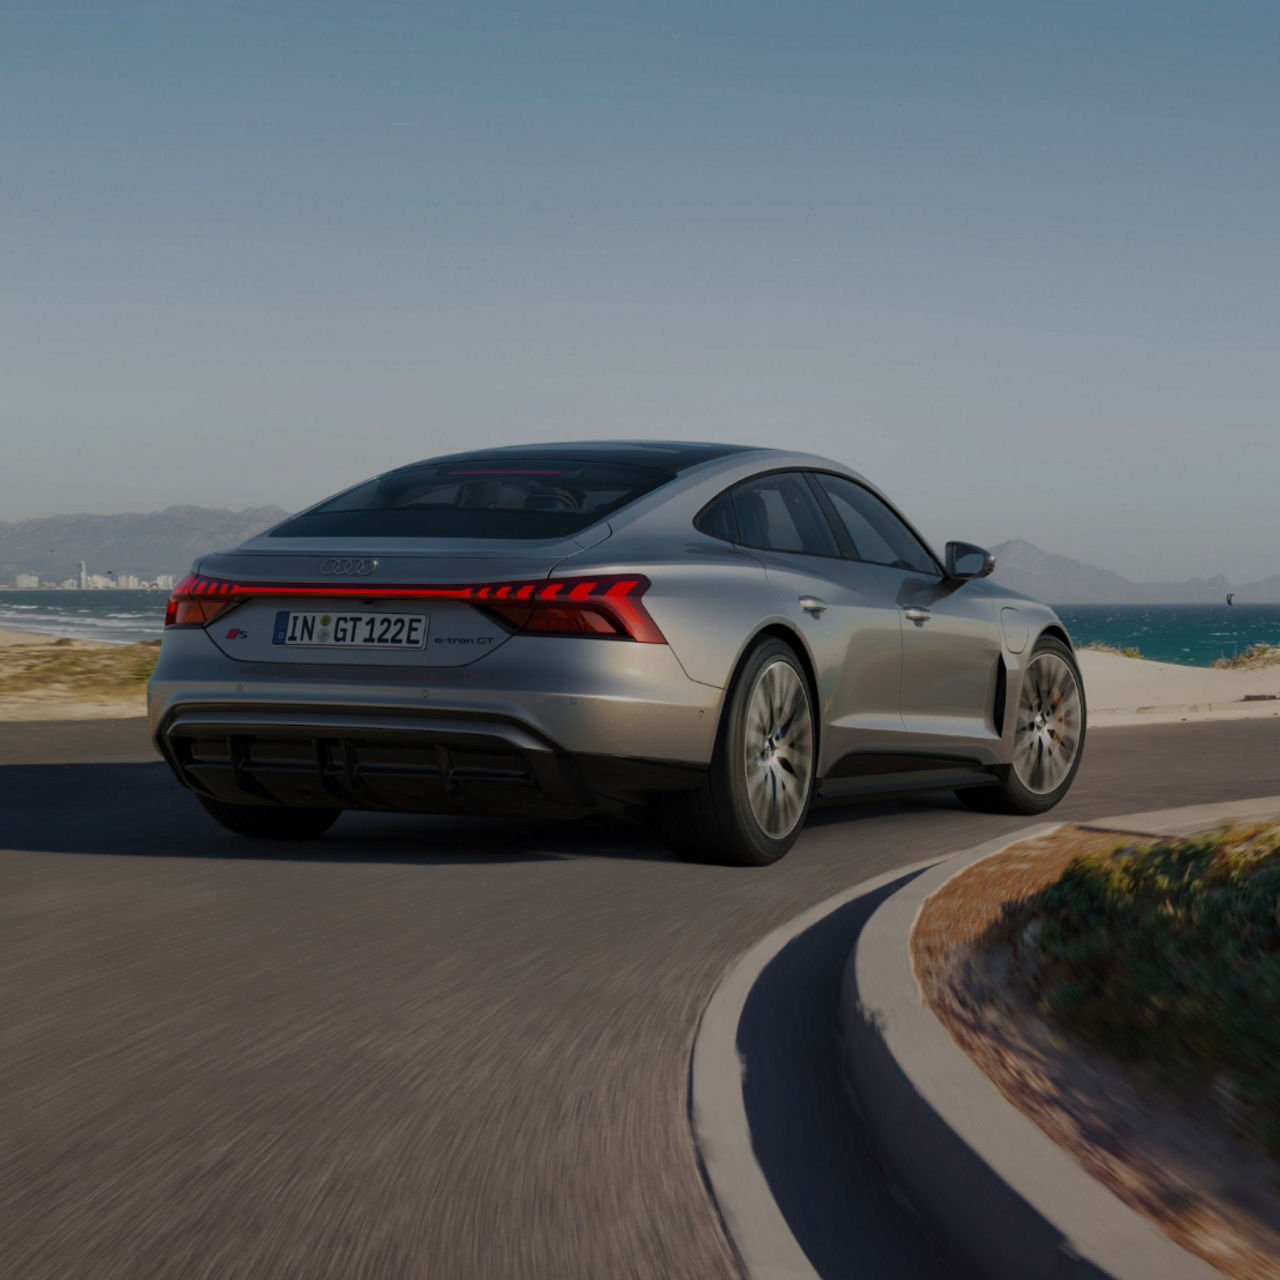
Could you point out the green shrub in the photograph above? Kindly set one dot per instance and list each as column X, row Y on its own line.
column 1169, row 954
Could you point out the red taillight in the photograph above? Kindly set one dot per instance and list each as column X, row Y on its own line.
column 196, row 601
column 608, row 608
column 604, row 608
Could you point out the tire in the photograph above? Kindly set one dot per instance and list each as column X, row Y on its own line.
column 270, row 822
column 1048, row 740
column 752, row 804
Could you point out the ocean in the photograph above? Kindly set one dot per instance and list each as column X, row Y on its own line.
column 1195, row 634
column 123, row 617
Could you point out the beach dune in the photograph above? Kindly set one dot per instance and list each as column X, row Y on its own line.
column 47, row 678
column 1123, row 691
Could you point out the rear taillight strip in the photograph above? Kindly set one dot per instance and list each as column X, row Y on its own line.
column 601, row 607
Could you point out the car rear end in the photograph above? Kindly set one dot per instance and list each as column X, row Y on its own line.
column 424, row 643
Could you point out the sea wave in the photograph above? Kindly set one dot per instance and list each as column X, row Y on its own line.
column 97, row 617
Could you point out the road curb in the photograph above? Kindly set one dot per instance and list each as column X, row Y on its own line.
column 753, row 1222
column 984, row 1179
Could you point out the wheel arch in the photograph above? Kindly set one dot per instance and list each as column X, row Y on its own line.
column 779, row 630
column 1056, row 631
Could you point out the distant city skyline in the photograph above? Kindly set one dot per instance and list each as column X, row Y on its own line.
column 92, row 582
column 1017, row 264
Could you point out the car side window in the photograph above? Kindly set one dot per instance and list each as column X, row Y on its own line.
column 879, row 536
column 779, row 513
column 718, row 520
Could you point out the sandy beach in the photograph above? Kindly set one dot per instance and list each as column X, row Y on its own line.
column 46, row 678
column 1128, row 691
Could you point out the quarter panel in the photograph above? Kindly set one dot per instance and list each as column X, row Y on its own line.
column 705, row 596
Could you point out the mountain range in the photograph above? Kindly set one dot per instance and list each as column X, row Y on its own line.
column 168, row 541
column 147, row 545
column 1060, row 580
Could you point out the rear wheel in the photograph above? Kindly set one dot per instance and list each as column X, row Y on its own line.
column 1048, row 739
column 270, row 822
column 752, row 804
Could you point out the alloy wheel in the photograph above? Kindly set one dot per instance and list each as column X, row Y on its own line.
column 777, row 749
column 1049, row 723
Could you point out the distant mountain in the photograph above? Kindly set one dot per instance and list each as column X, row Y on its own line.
column 1060, row 580
column 1266, row 591
column 161, row 542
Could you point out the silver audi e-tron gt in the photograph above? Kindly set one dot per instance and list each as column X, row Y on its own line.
column 704, row 637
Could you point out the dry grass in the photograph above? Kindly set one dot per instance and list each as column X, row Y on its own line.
column 65, row 667
column 1099, row 647
column 1255, row 656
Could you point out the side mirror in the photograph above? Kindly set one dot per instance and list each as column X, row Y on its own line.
column 965, row 561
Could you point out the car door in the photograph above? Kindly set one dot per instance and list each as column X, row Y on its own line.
column 951, row 642
column 847, row 613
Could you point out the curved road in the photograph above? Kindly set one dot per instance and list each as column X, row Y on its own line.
column 419, row 1047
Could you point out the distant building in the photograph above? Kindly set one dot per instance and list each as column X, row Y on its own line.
column 165, row 582
column 27, row 581
column 84, row 576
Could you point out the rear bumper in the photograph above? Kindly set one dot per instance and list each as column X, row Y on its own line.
column 548, row 730
column 407, row 763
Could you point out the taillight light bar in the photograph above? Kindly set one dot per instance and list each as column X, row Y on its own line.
column 607, row 607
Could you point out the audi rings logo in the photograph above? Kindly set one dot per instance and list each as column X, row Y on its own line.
column 342, row 568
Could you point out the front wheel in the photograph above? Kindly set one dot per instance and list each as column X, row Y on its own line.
column 752, row 804
column 270, row 822
column 1048, row 739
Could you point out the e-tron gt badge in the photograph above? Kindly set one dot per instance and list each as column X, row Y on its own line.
column 348, row 568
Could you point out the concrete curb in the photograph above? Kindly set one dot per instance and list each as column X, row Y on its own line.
column 985, row 1180
column 753, row 1222
column 1191, row 818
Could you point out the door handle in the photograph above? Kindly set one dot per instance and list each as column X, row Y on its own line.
column 812, row 605
column 918, row 616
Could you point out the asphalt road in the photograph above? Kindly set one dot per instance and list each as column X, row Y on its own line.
column 426, row 1047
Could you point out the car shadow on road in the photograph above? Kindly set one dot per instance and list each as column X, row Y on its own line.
column 813, row 1151
column 825, row 812
column 138, row 810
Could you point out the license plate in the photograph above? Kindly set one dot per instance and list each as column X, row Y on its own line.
column 336, row 630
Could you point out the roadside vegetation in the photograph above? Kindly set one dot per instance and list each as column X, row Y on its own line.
column 1168, row 955
column 1099, row 646
column 1256, row 655
column 61, row 667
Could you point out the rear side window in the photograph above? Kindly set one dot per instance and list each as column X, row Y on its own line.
column 479, row 499
column 780, row 513
column 879, row 536
column 718, row 519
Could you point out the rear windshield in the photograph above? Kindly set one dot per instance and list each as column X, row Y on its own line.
column 482, row 499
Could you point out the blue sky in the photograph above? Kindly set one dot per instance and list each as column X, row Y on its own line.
column 1016, row 262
